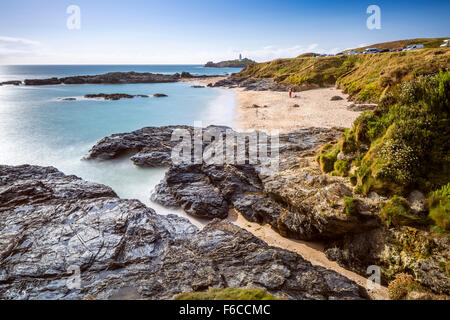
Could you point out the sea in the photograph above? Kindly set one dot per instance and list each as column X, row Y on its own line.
column 38, row 128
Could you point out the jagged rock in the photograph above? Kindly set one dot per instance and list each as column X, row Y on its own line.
column 396, row 251
column 252, row 84
column 110, row 78
column 53, row 224
column 298, row 201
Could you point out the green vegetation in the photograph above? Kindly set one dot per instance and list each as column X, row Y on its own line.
column 401, row 286
column 364, row 77
column 327, row 157
column 439, row 204
column 341, row 168
column 397, row 212
column 227, row 294
column 350, row 206
column 401, row 146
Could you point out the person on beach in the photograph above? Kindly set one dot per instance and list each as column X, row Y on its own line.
column 290, row 93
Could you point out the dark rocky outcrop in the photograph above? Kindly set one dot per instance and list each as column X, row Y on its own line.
column 251, row 84
column 336, row 98
column 108, row 78
column 53, row 224
column 113, row 96
column 160, row 95
column 11, row 83
column 298, row 200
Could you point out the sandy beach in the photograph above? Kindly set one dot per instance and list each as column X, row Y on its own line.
column 269, row 110
column 312, row 108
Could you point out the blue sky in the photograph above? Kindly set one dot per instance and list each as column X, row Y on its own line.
column 194, row 31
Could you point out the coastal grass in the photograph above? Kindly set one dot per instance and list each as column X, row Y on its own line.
column 366, row 78
column 402, row 145
column 227, row 294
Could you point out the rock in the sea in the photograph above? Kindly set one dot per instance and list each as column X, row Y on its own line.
column 110, row 78
column 11, row 83
column 110, row 96
column 65, row 238
column 160, row 95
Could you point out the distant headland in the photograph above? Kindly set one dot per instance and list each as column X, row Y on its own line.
column 238, row 63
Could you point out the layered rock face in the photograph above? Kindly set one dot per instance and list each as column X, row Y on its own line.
column 53, row 224
column 298, row 200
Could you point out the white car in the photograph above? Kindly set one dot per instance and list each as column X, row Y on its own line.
column 371, row 50
column 413, row 47
column 445, row 44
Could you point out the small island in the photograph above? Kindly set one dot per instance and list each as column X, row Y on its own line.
column 238, row 63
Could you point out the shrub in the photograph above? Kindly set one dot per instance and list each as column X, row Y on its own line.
column 341, row 168
column 401, row 286
column 397, row 212
column 409, row 141
column 227, row 294
column 326, row 159
column 350, row 206
column 439, row 204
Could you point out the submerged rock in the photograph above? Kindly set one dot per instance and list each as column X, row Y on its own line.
column 53, row 225
column 113, row 96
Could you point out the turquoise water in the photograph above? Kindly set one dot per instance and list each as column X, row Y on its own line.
column 38, row 128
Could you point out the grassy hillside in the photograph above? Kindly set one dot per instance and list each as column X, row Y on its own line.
column 427, row 42
column 401, row 146
column 365, row 77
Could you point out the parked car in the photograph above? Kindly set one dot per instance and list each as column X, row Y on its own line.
column 384, row 50
column 371, row 50
column 413, row 47
column 445, row 44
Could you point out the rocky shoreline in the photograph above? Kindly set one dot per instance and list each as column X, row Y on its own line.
column 53, row 224
column 299, row 202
